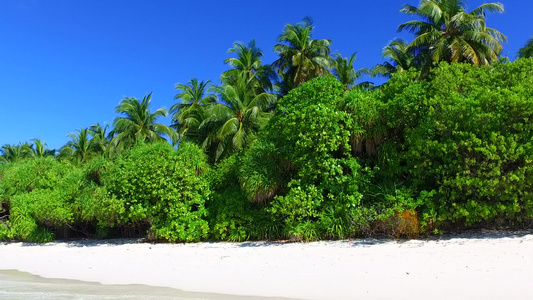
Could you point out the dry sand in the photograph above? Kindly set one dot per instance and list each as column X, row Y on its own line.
column 482, row 265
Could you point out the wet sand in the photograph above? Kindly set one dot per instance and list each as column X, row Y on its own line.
column 21, row 285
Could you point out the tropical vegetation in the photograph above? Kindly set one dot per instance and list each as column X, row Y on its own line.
column 300, row 149
column 527, row 50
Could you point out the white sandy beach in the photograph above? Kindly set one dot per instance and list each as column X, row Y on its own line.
column 486, row 265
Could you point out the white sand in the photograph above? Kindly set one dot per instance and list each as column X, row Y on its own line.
column 473, row 266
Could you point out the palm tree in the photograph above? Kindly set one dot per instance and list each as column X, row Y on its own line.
column 138, row 124
column 80, row 148
column 14, row 153
column 527, row 50
column 301, row 58
column 100, row 138
column 188, row 114
column 400, row 58
column 344, row 71
column 448, row 33
column 233, row 124
column 248, row 61
column 39, row 149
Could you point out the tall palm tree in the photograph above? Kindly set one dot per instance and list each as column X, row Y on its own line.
column 301, row 58
column 233, row 124
column 139, row 124
column 527, row 50
column 188, row 114
column 80, row 148
column 248, row 61
column 344, row 71
column 448, row 33
column 400, row 57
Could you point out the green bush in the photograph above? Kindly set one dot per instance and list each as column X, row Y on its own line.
column 311, row 134
column 40, row 193
column 367, row 129
column 467, row 137
column 234, row 216
column 263, row 172
column 162, row 188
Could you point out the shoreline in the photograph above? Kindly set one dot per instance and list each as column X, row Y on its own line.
column 486, row 264
column 22, row 285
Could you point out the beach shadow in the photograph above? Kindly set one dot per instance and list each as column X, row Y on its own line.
column 265, row 244
column 481, row 234
column 362, row 242
column 356, row 242
column 87, row 243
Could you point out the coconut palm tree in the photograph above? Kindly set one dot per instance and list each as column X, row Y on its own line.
column 100, row 138
column 80, row 148
column 344, row 71
column 400, row 58
column 248, row 61
column 527, row 50
column 39, row 149
column 14, row 153
column 188, row 114
column 138, row 124
column 446, row 32
column 301, row 58
column 233, row 124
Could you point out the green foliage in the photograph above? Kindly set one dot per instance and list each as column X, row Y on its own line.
column 468, row 140
column 344, row 71
column 312, row 133
column 93, row 204
column 447, row 32
column 527, row 50
column 236, row 121
column 161, row 187
column 190, row 112
column 232, row 216
column 14, row 153
column 263, row 172
column 365, row 111
column 40, row 193
column 5, row 233
column 138, row 124
column 248, row 62
column 400, row 56
column 301, row 58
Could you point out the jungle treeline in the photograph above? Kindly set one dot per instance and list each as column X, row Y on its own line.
column 296, row 150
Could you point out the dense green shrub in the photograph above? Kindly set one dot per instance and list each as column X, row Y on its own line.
column 311, row 134
column 263, row 172
column 365, row 111
column 232, row 215
column 160, row 187
column 40, row 194
column 467, row 138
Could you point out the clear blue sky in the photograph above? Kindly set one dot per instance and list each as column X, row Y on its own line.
column 66, row 64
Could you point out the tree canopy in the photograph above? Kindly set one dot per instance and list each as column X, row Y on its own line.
column 447, row 32
column 138, row 123
column 527, row 50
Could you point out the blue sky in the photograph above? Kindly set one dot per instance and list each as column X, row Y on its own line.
column 66, row 64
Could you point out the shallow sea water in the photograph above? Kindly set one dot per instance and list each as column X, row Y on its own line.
column 20, row 285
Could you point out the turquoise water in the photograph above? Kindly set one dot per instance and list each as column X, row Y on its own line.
column 21, row 285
